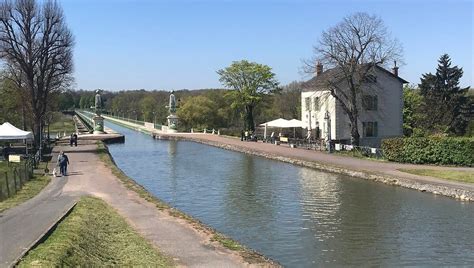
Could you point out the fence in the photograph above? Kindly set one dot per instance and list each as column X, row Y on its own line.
column 13, row 179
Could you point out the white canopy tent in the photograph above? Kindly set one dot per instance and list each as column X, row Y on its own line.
column 10, row 132
column 282, row 123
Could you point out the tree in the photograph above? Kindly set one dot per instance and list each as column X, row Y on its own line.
column 447, row 104
column 354, row 48
column 36, row 46
column 198, row 112
column 148, row 106
column 412, row 115
column 250, row 82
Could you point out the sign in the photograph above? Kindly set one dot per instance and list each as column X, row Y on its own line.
column 14, row 158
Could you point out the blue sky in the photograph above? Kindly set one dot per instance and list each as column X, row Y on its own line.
column 180, row 44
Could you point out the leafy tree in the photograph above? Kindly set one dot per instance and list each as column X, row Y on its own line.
column 412, row 114
column 447, row 104
column 148, row 106
column 10, row 103
column 36, row 47
column 250, row 82
column 353, row 48
column 198, row 112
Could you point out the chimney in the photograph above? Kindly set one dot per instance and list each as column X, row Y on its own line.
column 395, row 69
column 319, row 69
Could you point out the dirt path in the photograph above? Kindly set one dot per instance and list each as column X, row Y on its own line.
column 175, row 237
column 88, row 175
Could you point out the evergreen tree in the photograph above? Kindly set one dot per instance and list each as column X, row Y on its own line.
column 447, row 105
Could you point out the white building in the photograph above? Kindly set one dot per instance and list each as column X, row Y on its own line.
column 380, row 114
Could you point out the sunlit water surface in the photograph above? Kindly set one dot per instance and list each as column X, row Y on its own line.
column 298, row 216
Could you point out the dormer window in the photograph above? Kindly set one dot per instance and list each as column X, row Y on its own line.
column 369, row 102
column 370, row 78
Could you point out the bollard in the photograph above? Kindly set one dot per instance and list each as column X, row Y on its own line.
column 192, row 130
column 218, row 132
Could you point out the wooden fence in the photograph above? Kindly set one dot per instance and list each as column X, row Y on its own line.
column 12, row 180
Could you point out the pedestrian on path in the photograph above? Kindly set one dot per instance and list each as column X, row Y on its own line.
column 74, row 136
column 63, row 161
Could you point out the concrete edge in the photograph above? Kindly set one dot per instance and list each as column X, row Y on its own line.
column 453, row 192
column 42, row 237
column 245, row 252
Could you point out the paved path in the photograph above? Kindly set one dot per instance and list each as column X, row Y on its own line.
column 23, row 225
column 89, row 176
column 347, row 163
column 339, row 161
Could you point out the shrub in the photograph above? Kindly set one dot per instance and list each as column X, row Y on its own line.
column 430, row 150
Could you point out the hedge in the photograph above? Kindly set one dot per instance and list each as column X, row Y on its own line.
column 430, row 150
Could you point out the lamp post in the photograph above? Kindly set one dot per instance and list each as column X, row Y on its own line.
column 327, row 117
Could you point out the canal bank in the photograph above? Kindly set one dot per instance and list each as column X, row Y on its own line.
column 300, row 217
column 385, row 172
column 186, row 242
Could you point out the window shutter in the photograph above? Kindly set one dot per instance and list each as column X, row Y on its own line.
column 375, row 103
column 376, row 129
column 364, row 129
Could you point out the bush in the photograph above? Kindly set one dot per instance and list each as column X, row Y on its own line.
column 430, row 150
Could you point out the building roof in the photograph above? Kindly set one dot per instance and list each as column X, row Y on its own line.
column 320, row 81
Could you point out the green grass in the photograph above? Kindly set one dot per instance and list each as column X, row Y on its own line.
column 461, row 176
column 94, row 235
column 63, row 123
column 249, row 255
column 30, row 189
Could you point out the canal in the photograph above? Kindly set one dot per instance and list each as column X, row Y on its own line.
column 298, row 216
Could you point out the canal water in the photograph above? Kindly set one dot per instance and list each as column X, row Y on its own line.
column 298, row 216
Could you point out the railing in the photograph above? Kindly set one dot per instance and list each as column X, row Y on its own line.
column 17, row 174
column 138, row 122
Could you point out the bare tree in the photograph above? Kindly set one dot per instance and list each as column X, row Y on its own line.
column 353, row 48
column 36, row 47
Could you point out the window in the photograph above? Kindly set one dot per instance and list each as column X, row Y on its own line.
column 370, row 78
column 316, row 104
column 307, row 103
column 369, row 102
column 370, row 129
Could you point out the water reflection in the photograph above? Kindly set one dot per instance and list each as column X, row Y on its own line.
column 298, row 216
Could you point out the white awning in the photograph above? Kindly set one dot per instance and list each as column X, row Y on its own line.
column 10, row 132
column 283, row 123
column 280, row 122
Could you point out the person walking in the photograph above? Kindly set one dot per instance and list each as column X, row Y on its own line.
column 63, row 161
column 75, row 139
column 71, row 139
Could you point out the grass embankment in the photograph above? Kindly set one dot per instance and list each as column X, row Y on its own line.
column 30, row 189
column 63, row 123
column 453, row 175
column 249, row 255
column 94, row 235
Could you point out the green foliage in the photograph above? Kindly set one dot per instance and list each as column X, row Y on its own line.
column 251, row 81
column 430, row 150
column 94, row 235
column 447, row 106
column 10, row 103
column 412, row 114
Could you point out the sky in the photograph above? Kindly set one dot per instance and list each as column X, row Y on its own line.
column 169, row 45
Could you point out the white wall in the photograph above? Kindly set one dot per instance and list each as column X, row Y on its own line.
column 388, row 115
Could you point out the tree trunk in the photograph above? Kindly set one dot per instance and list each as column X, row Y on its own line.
column 355, row 136
column 249, row 124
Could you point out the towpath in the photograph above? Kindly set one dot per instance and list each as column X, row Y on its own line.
column 88, row 175
column 388, row 172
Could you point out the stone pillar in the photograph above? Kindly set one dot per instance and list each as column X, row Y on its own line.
column 172, row 122
column 98, row 124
